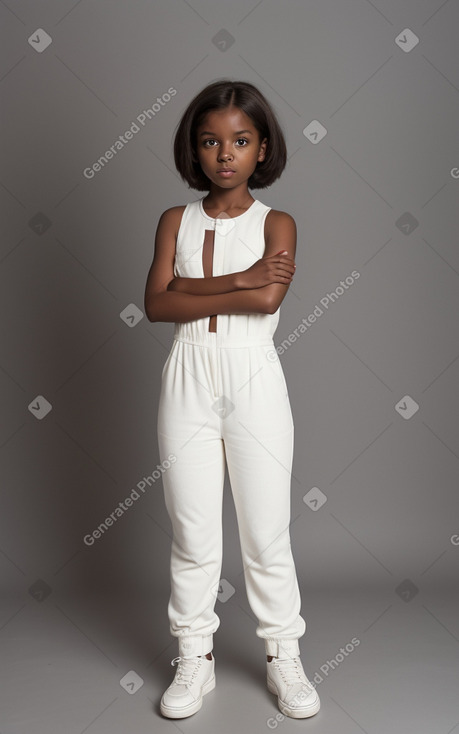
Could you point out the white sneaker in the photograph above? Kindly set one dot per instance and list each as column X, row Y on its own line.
column 194, row 678
column 297, row 697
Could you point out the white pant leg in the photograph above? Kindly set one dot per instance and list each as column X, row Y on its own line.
column 189, row 428
column 258, row 436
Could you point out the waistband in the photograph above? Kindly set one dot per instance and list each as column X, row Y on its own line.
column 216, row 338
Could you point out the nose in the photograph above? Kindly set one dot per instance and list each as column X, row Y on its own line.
column 224, row 154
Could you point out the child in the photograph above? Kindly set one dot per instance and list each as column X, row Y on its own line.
column 221, row 268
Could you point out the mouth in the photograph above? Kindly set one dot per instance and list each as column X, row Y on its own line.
column 225, row 171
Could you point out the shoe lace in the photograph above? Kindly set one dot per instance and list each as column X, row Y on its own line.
column 187, row 669
column 291, row 671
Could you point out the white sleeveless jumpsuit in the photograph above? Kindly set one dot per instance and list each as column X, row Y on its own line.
column 224, row 397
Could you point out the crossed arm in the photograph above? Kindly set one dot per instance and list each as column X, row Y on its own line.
column 259, row 289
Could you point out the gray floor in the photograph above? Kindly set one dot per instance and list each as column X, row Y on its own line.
column 62, row 660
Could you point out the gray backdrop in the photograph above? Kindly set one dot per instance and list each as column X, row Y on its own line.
column 368, row 96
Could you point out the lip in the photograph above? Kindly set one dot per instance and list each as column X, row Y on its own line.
column 227, row 172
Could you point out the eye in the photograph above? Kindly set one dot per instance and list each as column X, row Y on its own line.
column 212, row 140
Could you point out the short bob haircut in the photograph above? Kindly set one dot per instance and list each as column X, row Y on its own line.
column 220, row 95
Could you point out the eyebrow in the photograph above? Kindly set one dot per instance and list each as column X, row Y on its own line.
column 239, row 132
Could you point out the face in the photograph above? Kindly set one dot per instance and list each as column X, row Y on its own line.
column 228, row 139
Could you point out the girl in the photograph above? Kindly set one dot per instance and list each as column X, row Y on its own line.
column 221, row 268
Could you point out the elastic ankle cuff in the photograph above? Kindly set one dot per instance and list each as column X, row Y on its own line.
column 192, row 645
column 282, row 648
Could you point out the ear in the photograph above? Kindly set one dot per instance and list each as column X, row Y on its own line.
column 263, row 146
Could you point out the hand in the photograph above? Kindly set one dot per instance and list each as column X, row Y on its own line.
column 278, row 268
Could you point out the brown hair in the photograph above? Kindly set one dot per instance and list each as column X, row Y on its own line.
column 220, row 95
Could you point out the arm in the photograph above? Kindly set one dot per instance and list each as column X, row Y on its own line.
column 273, row 267
column 205, row 286
column 163, row 305
column 182, row 307
column 280, row 234
column 278, row 268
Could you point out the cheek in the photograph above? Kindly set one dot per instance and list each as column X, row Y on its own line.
column 204, row 159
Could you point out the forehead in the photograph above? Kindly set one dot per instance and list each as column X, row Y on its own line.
column 231, row 118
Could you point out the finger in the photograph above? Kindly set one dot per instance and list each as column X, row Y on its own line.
column 284, row 262
column 288, row 267
column 285, row 256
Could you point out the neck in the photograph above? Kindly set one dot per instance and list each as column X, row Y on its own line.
column 228, row 201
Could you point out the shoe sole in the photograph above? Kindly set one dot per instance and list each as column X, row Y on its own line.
column 302, row 713
column 180, row 713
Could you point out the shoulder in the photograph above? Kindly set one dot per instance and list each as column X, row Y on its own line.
column 278, row 215
column 172, row 217
column 279, row 223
